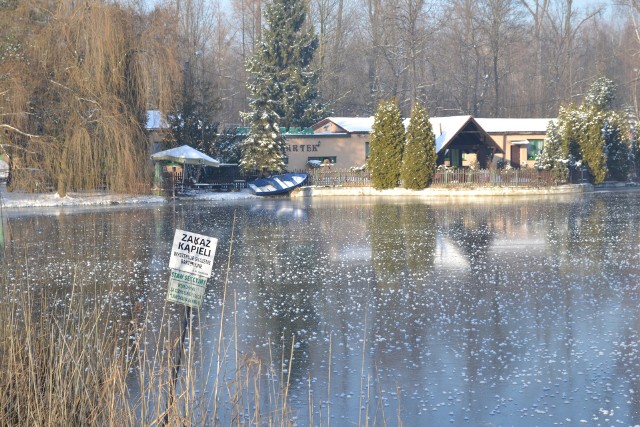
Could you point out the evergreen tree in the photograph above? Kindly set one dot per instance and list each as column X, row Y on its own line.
column 281, row 66
column 634, row 148
column 263, row 150
column 193, row 125
column 228, row 146
column 570, row 123
column 386, row 146
column 616, row 150
column 592, row 144
column 597, row 135
column 552, row 158
column 601, row 94
column 419, row 157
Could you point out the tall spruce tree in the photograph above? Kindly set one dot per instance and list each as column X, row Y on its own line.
column 419, row 157
column 281, row 66
column 193, row 123
column 386, row 146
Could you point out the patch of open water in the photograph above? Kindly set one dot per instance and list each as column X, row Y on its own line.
column 493, row 311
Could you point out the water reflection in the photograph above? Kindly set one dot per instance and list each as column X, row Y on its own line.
column 479, row 312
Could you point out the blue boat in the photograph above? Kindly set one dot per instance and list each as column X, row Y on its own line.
column 277, row 184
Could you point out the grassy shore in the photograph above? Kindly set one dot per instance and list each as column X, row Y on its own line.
column 61, row 365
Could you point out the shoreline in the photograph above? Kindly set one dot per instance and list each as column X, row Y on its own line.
column 19, row 200
column 442, row 192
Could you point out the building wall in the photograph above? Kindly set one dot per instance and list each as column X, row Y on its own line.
column 350, row 149
column 343, row 151
column 505, row 141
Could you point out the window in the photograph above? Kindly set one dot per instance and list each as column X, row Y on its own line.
column 534, row 148
column 321, row 159
column 366, row 150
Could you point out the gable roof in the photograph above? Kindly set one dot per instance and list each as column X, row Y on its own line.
column 446, row 129
column 348, row 124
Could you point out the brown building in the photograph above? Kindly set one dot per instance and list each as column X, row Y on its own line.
column 520, row 139
column 343, row 142
column 461, row 141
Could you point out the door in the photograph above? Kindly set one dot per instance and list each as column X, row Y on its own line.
column 515, row 156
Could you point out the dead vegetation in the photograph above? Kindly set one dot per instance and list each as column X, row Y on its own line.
column 75, row 92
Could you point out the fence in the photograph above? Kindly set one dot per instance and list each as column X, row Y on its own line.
column 443, row 178
column 494, row 178
column 325, row 177
column 338, row 178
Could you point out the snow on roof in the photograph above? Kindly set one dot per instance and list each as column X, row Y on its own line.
column 353, row 124
column 515, row 125
column 445, row 128
column 156, row 120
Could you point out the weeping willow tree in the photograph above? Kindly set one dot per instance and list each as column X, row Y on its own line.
column 73, row 100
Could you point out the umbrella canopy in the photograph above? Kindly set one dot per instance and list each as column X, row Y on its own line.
column 186, row 155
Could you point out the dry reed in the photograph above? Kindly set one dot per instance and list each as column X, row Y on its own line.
column 67, row 357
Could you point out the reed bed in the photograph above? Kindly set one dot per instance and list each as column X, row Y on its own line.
column 61, row 365
column 71, row 355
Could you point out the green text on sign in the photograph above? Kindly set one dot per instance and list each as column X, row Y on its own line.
column 186, row 288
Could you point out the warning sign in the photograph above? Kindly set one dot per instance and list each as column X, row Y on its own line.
column 186, row 288
column 193, row 253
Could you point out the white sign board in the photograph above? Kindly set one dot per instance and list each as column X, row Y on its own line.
column 186, row 288
column 193, row 253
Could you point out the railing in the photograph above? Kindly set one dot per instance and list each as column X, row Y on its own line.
column 338, row 178
column 494, row 178
column 442, row 178
column 449, row 178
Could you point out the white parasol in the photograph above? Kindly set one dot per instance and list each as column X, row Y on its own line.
column 186, row 155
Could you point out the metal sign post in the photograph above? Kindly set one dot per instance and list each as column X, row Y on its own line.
column 191, row 261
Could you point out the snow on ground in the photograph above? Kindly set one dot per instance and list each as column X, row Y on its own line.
column 22, row 200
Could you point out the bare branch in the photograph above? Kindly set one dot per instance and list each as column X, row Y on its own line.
column 17, row 147
column 11, row 128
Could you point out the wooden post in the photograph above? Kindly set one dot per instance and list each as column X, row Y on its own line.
column 175, row 370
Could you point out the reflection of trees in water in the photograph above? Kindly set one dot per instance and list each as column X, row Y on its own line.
column 419, row 231
column 403, row 244
column 106, row 250
column 387, row 246
column 403, row 240
column 285, row 272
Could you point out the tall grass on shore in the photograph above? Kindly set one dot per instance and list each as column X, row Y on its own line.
column 61, row 365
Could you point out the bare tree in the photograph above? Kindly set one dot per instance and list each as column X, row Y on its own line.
column 501, row 22
column 538, row 10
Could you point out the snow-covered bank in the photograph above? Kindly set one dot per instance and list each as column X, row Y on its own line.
column 17, row 199
column 443, row 192
column 25, row 200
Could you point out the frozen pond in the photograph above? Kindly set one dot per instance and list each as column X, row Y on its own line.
column 494, row 311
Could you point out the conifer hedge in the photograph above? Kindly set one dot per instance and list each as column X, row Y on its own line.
column 386, row 146
column 419, row 158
